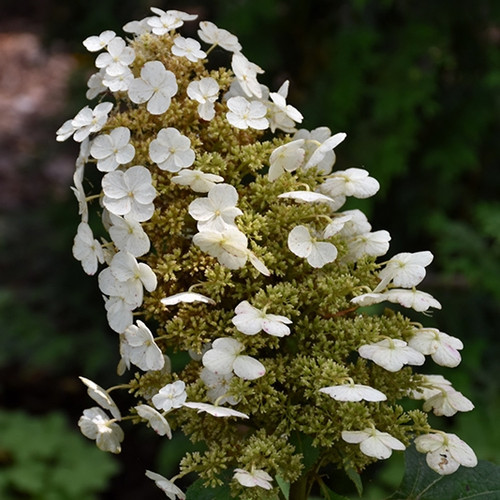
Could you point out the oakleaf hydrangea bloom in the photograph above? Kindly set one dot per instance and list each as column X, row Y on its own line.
column 373, row 442
column 168, row 487
column 155, row 419
column 156, row 86
column 100, row 396
column 139, row 348
column 250, row 321
column 188, row 48
column 213, row 35
column 255, row 477
column 228, row 246
column 353, row 392
column 171, row 150
column 113, row 149
column 391, row 354
column 216, row 411
column 170, row 396
column 129, row 193
column 95, row 424
column 225, row 357
column 218, row 210
column 221, row 240
column 405, row 270
column 97, row 43
column 87, row 249
column 442, row 347
column 197, row 180
column 85, row 122
column 246, row 114
column 445, row 452
column 204, row 91
column 317, row 253
column 116, row 60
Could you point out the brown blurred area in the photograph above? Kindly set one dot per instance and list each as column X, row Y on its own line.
column 33, row 87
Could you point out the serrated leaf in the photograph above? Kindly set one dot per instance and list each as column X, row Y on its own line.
column 422, row 483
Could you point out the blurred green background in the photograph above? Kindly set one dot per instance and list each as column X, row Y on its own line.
column 416, row 86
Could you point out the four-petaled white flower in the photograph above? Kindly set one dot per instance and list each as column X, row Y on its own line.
column 225, row 357
column 256, row 477
column 117, row 58
column 132, row 276
column 210, row 33
column 373, row 442
column 405, row 270
column 351, row 182
column 218, row 210
column 312, row 139
column 245, row 114
column 95, row 85
column 170, row 396
column 204, row 91
column 280, row 114
column 188, row 48
column 128, row 235
column 214, row 410
column 218, row 386
column 415, row 299
column 101, row 397
column 447, row 402
column 198, row 181
column 156, row 86
column 168, row 487
column 391, row 354
column 442, row 347
column 155, row 419
column 95, row 424
column 246, row 74
column 113, row 149
column 87, row 249
column 168, row 20
column 353, row 392
column 186, row 297
column 139, row 348
column 118, row 310
column 317, row 253
column 99, row 42
column 372, row 244
column 86, row 122
column 445, row 452
column 229, row 247
column 129, row 193
column 250, row 321
column 286, row 158
column 171, row 150
column 324, row 149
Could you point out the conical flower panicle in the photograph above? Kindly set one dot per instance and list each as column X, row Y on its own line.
column 228, row 238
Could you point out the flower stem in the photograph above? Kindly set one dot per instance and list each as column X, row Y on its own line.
column 298, row 489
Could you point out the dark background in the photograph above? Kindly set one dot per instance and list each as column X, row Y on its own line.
column 416, row 86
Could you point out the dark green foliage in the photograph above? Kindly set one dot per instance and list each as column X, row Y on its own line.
column 42, row 459
column 421, row 483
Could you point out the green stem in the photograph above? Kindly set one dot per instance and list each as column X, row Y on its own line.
column 298, row 490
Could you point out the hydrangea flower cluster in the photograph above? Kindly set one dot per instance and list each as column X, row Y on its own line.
column 227, row 241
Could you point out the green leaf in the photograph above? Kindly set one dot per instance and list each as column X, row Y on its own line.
column 327, row 493
column 422, row 483
column 284, row 486
column 303, row 444
column 198, row 491
column 356, row 479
